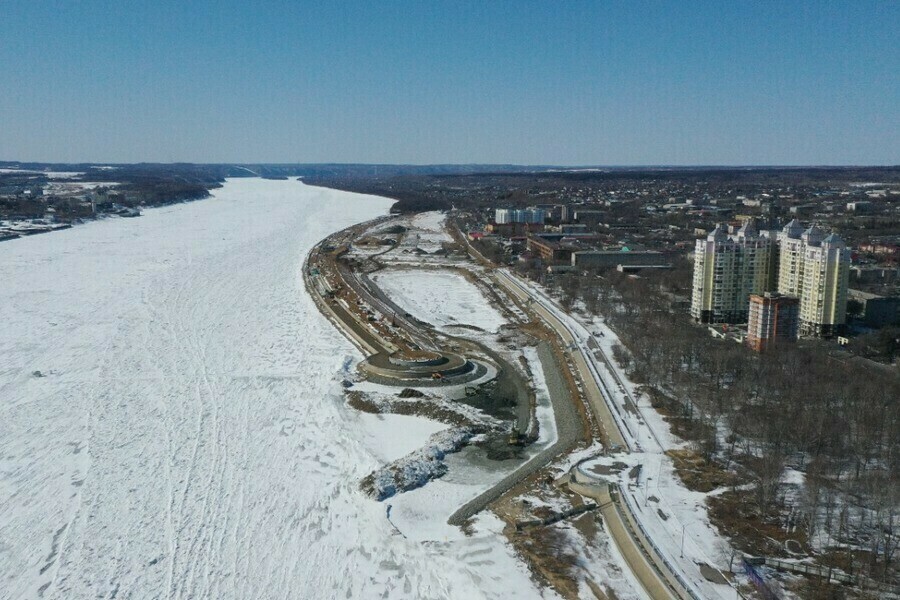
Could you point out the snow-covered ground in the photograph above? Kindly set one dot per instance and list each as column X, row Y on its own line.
column 172, row 424
column 423, row 243
column 62, row 187
column 427, row 231
column 468, row 477
column 50, row 174
column 440, row 297
column 677, row 519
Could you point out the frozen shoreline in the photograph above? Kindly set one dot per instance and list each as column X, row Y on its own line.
column 187, row 436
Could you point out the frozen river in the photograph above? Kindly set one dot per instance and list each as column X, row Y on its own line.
column 171, row 424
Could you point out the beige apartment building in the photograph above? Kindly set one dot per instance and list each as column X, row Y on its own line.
column 727, row 269
column 815, row 268
column 805, row 264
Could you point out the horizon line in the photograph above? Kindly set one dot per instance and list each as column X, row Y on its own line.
column 94, row 163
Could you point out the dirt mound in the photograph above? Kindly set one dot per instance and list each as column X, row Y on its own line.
column 699, row 474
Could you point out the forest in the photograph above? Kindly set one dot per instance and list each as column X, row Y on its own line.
column 825, row 416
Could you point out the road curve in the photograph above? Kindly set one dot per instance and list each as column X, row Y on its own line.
column 569, row 433
column 658, row 577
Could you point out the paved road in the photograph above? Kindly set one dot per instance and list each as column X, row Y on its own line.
column 568, row 428
column 611, row 434
column 657, row 576
column 659, row 579
column 359, row 335
column 376, row 298
column 636, row 559
column 654, row 576
column 568, row 421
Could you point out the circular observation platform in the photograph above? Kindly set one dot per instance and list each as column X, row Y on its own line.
column 425, row 370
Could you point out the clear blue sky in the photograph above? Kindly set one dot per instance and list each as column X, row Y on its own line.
column 601, row 83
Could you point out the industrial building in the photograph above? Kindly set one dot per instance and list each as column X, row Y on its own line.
column 573, row 228
column 589, row 217
column 610, row 259
column 558, row 247
column 877, row 311
column 507, row 230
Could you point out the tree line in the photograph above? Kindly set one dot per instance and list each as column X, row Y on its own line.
column 803, row 406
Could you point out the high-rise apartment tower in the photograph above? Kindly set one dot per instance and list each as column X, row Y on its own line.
column 815, row 268
column 727, row 269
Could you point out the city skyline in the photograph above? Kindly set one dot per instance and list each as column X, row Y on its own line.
column 548, row 84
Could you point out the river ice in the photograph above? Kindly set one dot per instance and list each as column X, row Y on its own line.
column 171, row 423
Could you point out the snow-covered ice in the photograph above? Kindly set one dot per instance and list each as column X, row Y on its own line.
column 393, row 436
column 50, row 174
column 171, row 418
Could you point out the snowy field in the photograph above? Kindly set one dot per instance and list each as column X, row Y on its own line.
column 172, row 425
column 470, row 476
column 440, row 297
column 427, row 231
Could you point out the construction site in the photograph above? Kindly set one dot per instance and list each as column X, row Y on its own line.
column 448, row 335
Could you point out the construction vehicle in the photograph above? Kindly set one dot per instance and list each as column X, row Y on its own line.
column 516, row 438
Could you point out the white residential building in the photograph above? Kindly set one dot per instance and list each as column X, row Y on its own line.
column 790, row 259
column 815, row 268
column 804, row 264
column 727, row 270
column 518, row 215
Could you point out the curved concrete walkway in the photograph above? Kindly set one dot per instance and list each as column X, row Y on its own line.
column 568, row 429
